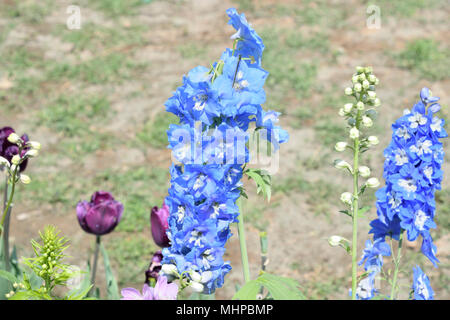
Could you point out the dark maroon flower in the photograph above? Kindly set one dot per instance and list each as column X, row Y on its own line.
column 101, row 215
column 160, row 224
column 154, row 268
column 8, row 149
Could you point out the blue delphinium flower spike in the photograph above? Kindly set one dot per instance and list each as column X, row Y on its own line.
column 412, row 171
column 215, row 108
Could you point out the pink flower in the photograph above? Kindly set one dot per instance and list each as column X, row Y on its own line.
column 161, row 291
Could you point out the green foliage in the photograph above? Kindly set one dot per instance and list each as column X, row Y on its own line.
column 262, row 180
column 46, row 271
column 112, row 290
column 48, row 261
column 279, row 288
column 427, row 58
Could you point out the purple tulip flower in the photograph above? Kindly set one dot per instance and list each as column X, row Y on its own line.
column 8, row 149
column 161, row 291
column 101, row 215
column 154, row 268
column 160, row 224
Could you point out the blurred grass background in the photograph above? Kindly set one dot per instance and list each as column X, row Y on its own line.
column 94, row 98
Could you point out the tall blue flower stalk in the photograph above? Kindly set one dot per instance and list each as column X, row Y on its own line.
column 406, row 204
column 216, row 107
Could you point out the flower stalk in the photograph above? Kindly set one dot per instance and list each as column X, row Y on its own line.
column 355, row 214
column 242, row 242
column 94, row 266
column 396, row 266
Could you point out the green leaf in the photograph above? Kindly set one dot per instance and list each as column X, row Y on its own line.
column 362, row 211
column 346, row 212
column 16, row 270
column 111, row 285
column 248, row 291
column 8, row 276
column 281, row 288
column 263, row 181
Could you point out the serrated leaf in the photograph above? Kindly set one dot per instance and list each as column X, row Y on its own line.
column 112, row 289
column 262, row 180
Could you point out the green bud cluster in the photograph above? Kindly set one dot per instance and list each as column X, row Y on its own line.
column 49, row 255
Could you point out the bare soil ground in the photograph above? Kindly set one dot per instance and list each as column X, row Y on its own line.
column 134, row 57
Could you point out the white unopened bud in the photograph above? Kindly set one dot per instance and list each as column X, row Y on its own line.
column 354, row 133
column 196, row 286
column 169, row 269
column 359, row 69
column 372, row 183
column 25, row 179
column 342, row 164
column 15, row 159
column 360, row 105
column 13, row 138
column 348, row 107
column 367, row 122
column 340, row 146
column 334, row 241
column 376, row 102
column 364, row 171
column 372, row 95
column 355, row 79
column 357, row 87
column 365, row 84
column 34, row 145
column 341, row 112
column 348, row 91
column 347, row 198
column 32, row 153
column 362, row 77
column 371, row 78
column 373, row 140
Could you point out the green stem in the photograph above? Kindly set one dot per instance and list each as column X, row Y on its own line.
column 242, row 243
column 355, row 212
column 94, row 267
column 11, row 196
column 397, row 266
column 6, row 231
column 355, row 220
